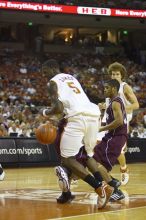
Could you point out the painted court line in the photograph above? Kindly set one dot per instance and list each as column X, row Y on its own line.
column 96, row 214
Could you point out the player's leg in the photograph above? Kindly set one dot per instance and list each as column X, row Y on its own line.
column 122, row 159
column 71, row 142
column 123, row 167
column 64, row 177
column 90, row 140
column 117, row 193
column 105, row 154
column 103, row 190
column 62, row 173
column 64, row 184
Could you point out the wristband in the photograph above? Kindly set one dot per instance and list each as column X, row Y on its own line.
column 44, row 113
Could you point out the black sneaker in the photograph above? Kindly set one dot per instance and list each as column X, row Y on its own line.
column 117, row 196
column 65, row 197
column 116, row 182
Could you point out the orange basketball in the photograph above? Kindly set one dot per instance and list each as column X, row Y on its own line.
column 46, row 133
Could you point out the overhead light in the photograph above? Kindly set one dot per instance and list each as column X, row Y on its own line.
column 125, row 32
column 29, row 23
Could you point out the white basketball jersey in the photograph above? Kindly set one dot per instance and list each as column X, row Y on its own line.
column 124, row 99
column 107, row 102
column 72, row 96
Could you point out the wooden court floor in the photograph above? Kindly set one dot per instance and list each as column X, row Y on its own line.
column 30, row 194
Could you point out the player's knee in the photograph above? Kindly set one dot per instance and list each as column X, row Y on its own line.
column 68, row 162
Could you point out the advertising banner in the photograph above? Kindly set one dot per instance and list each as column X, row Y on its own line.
column 28, row 151
column 8, row 151
column 136, row 151
column 67, row 9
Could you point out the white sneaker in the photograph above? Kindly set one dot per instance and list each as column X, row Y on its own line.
column 2, row 176
column 124, row 176
column 63, row 180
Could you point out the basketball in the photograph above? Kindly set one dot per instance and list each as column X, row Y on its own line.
column 46, row 133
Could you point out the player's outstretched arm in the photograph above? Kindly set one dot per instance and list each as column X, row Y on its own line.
column 131, row 97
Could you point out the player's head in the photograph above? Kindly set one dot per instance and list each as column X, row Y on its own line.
column 111, row 88
column 50, row 68
column 117, row 71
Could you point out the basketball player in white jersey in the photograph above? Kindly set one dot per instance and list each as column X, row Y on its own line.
column 83, row 118
column 118, row 71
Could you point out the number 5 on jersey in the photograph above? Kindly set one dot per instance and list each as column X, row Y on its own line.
column 73, row 87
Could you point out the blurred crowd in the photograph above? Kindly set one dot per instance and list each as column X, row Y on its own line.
column 23, row 87
column 134, row 4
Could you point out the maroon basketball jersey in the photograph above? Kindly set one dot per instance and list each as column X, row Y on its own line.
column 121, row 130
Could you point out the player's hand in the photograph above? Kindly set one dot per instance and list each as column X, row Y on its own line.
column 102, row 105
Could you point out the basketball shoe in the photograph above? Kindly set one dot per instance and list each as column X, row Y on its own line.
column 2, row 176
column 63, row 179
column 65, row 197
column 124, row 176
column 104, row 193
column 115, row 182
column 117, row 196
column 64, row 185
